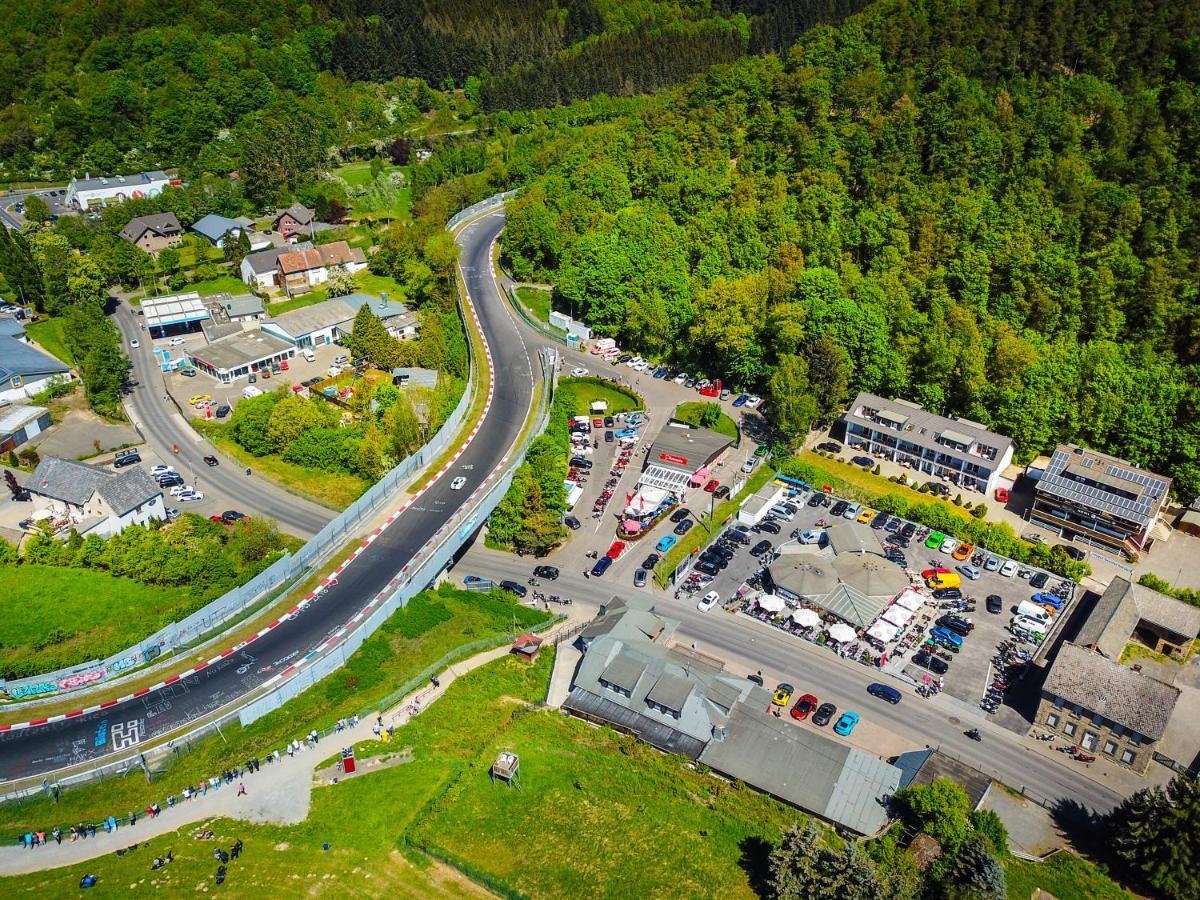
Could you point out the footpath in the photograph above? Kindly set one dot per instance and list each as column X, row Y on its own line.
column 278, row 793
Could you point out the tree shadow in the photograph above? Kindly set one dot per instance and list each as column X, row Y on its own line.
column 755, row 860
column 1082, row 826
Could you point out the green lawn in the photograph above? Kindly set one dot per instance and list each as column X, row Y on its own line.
column 52, row 617
column 385, row 201
column 536, row 302
column 589, row 390
column 48, row 333
column 690, row 413
column 230, row 283
column 1065, row 875
column 336, row 490
column 365, row 281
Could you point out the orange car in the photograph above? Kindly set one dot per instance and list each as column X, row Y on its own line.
column 962, row 551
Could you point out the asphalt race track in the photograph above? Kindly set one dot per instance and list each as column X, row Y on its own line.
column 127, row 724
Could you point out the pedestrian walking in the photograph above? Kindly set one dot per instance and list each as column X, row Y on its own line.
column 132, row 818
column 241, row 789
column 57, row 835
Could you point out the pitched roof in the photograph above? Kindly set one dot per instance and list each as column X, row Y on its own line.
column 117, row 181
column 695, row 445
column 308, row 319
column 161, row 224
column 215, row 227
column 382, row 310
column 1100, row 685
column 300, row 261
column 630, row 619
column 340, row 252
column 242, row 305
column 10, row 327
column 1102, row 482
column 1123, row 604
column 854, row 537
column 298, row 211
column 14, row 418
column 926, row 766
column 268, row 260
column 74, row 483
column 19, row 358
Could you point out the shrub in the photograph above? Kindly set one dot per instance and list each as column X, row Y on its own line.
column 980, row 511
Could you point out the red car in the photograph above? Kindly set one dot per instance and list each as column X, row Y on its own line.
column 617, row 548
column 283, row 364
column 712, row 390
column 804, row 706
column 597, row 422
column 712, row 485
column 1001, row 495
column 930, row 573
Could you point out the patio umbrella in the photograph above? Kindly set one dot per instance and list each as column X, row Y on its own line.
column 883, row 632
column 631, row 526
column 806, row 618
column 897, row 615
column 841, row 632
column 771, row 603
column 910, row 600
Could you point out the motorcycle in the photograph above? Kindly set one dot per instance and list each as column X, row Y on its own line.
column 1085, row 757
column 974, row 734
column 1047, row 737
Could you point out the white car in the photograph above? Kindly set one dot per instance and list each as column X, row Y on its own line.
column 135, row 343
column 176, row 342
column 1009, row 569
column 633, row 363
column 642, row 366
column 334, row 371
column 948, row 545
column 811, row 536
column 172, row 513
column 160, row 469
column 457, row 483
column 708, row 601
column 181, row 489
column 992, row 563
column 187, row 496
column 753, row 401
column 578, row 372
column 680, row 378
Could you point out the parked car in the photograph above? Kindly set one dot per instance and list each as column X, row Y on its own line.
column 927, row 660
column 963, row 551
column 947, row 594
column 601, row 566
column 851, row 512
column 125, row 458
column 740, row 400
column 957, row 624
column 947, row 638
column 711, row 486
column 707, row 568
column 811, row 536
column 665, row 543
column 804, row 707
column 519, row 589
column 1039, row 580
column 934, row 572
column 824, row 713
column 188, row 373
column 846, row 723
column 550, row 573
column 863, row 462
column 1075, row 553
column 830, row 447
column 897, row 557
column 708, row 601
column 639, row 578
column 615, row 549
column 1009, row 569
column 722, row 492
column 760, row 548
column 1002, row 495
column 938, row 582
column 783, row 693
column 968, row 571
column 768, row 526
column 935, row 540
column 866, row 515
column 680, row 514
column 991, row 564
column 160, row 469
column 839, row 509
column 683, row 527
column 1048, row 599
column 650, row 561
column 189, row 496
column 573, row 523
column 994, row 603
column 949, row 545
column 908, row 530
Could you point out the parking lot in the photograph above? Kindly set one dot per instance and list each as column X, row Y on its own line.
column 970, row 671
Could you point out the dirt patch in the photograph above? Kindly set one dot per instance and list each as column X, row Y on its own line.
column 282, row 846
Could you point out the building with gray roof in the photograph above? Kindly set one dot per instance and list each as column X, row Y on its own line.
column 19, row 423
column 854, row 537
column 25, row 370
column 93, row 500
column 261, row 270
column 1106, row 708
column 924, row 767
column 1099, row 498
column 1126, row 610
column 958, row 450
column 153, row 233
column 237, row 355
column 86, row 192
column 855, row 586
column 680, row 457
column 12, row 327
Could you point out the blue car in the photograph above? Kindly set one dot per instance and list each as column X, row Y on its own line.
column 627, row 433
column 660, row 372
column 665, row 543
column 601, row 566
column 945, row 636
column 884, row 692
column 846, row 723
column 1049, row 599
column 741, row 400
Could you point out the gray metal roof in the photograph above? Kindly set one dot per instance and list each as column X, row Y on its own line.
column 1104, row 483
column 14, row 418
column 117, row 181
column 921, row 427
column 10, row 327
column 298, row 211
column 853, row 537
column 27, row 361
column 918, row 767
column 1101, row 685
column 871, row 576
column 624, row 671
column 242, row 305
column 801, row 766
column 74, row 483
column 630, row 619
column 307, row 319
column 670, row 691
column 268, row 260
column 385, row 311
column 698, row 446
column 240, row 349
column 656, row 734
column 215, row 227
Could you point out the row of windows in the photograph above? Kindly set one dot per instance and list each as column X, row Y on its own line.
column 1098, row 720
column 1090, row 740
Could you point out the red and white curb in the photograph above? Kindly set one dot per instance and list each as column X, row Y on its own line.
column 360, row 615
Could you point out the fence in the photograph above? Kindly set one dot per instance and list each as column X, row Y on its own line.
column 494, row 202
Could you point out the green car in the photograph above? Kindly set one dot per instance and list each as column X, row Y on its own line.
column 762, row 450
column 935, row 539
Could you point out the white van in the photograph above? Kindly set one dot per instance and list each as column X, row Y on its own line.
column 308, row 354
column 1033, row 626
column 1033, row 611
column 251, row 391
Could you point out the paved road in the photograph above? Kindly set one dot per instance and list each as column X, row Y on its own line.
column 748, row 645
column 163, row 426
column 130, row 721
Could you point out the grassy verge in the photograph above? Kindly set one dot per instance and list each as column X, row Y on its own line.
column 588, row 390
column 690, row 412
column 704, row 531
column 432, row 625
column 82, row 614
column 335, row 490
column 365, row 282
column 1065, row 875
column 230, row 283
column 48, row 333
column 536, row 302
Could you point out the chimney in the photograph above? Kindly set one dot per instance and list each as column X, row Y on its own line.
column 383, row 297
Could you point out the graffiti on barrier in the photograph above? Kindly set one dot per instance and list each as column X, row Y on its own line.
column 122, row 664
column 151, row 652
column 79, row 679
column 32, row 690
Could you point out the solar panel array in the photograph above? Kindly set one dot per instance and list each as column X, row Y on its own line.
column 1154, row 488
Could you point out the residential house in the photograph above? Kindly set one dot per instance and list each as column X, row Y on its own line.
column 84, row 193
column 960, row 451
column 300, row 271
column 93, row 500
column 214, row 229
column 1100, row 499
column 20, row 423
column 1128, row 611
column 340, row 253
column 25, row 370
column 153, row 233
column 296, row 220
column 399, row 319
column 261, row 270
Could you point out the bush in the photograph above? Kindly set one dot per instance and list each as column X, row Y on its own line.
column 980, row 511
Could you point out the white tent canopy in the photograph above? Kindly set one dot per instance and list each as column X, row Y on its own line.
column 806, row 618
column 841, row 632
column 771, row 603
column 910, row 600
column 897, row 615
column 882, row 631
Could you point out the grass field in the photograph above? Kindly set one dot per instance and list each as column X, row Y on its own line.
column 230, row 283
column 589, row 390
column 536, row 302
column 366, row 282
column 690, row 413
column 336, row 490
column 395, row 203
column 48, row 334
column 52, row 617
column 1065, row 875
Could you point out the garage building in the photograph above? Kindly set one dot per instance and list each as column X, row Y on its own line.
column 682, row 457
column 237, row 355
column 20, row 423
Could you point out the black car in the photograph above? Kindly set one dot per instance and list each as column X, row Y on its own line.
column 897, row 557
column 896, row 540
column 684, row 527
column 211, row 460
column 838, row 508
column 756, row 678
column 721, row 551
column 222, row 411
column 680, row 514
column 1074, row 552
column 816, row 500
column 994, row 603
column 769, row 526
column 519, row 589
column 707, row 568
column 880, row 520
column 824, row 713
column 547, row 572
column 908, row 530
column 738, row 537
column 573, row 523
column 171, row 479
column 947, row 594
column 863, row 462
column 608, row 437
column 608, row 422
column 927, row 660
column 1039, row 580
column 722, row 492
column 580, row 463
column 830, row 447
column 957, row 624
column 717, row 562
column 760, row 548
column 126, row 458
column 650, row 561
